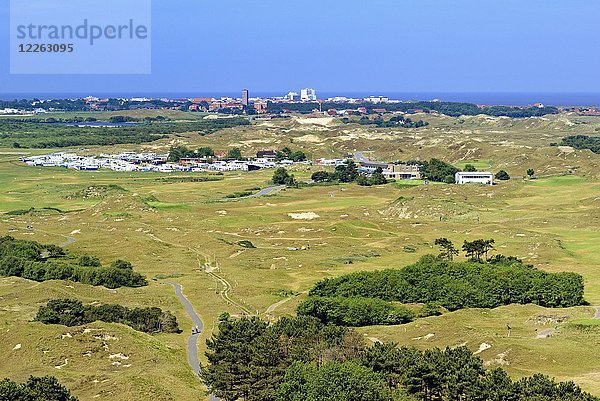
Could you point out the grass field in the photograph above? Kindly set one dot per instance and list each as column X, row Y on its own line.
column 172, row 230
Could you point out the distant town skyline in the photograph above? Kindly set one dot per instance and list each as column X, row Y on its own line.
column 376, row 47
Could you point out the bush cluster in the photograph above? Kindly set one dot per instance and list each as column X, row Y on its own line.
column 355, row 312
column 71, row 312
column 35, row 389
column 39, row 262
column 457, row 285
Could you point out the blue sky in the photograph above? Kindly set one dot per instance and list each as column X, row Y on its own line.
column 352, row 46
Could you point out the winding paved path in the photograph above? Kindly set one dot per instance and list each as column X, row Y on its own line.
column 267, row 191
column 192, row 339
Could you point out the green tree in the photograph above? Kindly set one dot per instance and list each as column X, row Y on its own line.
column 377, row 178
column 234, row 154
column 35, row 389
column 46, row 388
column 476, row 249
column 121, row 264
column 333, row 381
column 448, row 251
column 347, row 172
column 282, row 177
column 320, row 176
column 502, row 175
column 470, row 168
column 177, row 153
column 89, row 261
column 237, row 369
column 298, row 156
column 363, row 180
column 530, row 173
column 437, row 170
column 205, row 152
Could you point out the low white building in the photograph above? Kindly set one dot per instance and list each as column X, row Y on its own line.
column 478, row 177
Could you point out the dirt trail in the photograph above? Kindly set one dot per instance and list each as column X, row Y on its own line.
column 227, row 286
column 597, row 315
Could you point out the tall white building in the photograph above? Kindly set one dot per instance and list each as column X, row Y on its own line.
column 308, row 95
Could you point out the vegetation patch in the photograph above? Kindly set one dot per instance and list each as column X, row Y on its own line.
column 582, row 142
column 363, row 257
column 303, row 359
column 246, row 244
column 53, row 134
column 71, row 312
column 243, row 194
column 34, row 210
column 35, row 388
column 354, row 311
column 169, row 180
column 457, row 285
column 38, row 262
column 96, row 192
column 162, row 276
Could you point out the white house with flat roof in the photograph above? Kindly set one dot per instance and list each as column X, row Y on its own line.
column 478, row 177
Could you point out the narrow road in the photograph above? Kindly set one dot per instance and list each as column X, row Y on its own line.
column 545, row 333
column 193, row 338
column 276, row 305
column 360, row 157
column 267, row 191
column 193, row 360
column 597, row 315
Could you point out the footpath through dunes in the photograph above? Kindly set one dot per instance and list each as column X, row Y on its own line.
column 193, row 338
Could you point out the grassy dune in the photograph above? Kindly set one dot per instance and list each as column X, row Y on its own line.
column 173, row 229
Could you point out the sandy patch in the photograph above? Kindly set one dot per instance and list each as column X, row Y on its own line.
column 500, row 360
column 304, row 216
column 309, row 138
column 425, row 337
column 120, row 356
column 482, row 347
column 325, row 121
column 566, row 149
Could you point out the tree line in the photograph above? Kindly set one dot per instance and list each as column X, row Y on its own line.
column 355, row 311
column 45, row 388
column 44, row 135
column 380, row 122
column 71, row 312
column 582, row 142
column 348, row 172
column 453, row 109
column 457, row 285
column 299, row 359
column 38, row 262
